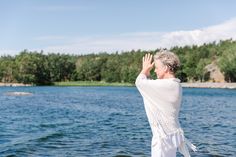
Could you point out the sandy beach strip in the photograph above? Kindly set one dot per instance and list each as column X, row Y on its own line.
column 14, row 84
column 209, row 85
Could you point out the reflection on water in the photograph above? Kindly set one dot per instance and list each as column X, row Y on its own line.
column 108, row 121
column 18, row 93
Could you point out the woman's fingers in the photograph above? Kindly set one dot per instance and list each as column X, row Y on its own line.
column 147, row 62
column 147, row 58
column 150, row 57
column 153, row 64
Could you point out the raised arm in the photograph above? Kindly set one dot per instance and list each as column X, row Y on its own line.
column 142, row 82
column 149, row 88
column 148, row 64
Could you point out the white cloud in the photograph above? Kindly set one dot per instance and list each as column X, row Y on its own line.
column 5, row 52
column 222, row 31
column 114, row 43
column 139, row 40
column 149, row 40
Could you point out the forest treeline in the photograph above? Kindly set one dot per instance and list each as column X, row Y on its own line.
column 44, row 69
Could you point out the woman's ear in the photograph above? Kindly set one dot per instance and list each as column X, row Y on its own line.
column 166, row 69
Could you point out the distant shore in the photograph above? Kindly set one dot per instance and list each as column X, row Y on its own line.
column 99, row 83
column 209, row 85
column 92, row 83
column 14, row 84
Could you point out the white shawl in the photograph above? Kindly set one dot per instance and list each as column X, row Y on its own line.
column 162, row 101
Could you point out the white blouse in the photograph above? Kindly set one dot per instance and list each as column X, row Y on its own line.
column 162, row 101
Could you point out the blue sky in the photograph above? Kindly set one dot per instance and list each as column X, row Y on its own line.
column 86, row 26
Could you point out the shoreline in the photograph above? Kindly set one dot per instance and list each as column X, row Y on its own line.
column 94, row 83
column 209, row 85
column 14, row 85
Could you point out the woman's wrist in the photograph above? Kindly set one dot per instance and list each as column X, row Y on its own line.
column 145, row 72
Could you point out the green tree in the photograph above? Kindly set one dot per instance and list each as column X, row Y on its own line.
column 111, row 71
column 227, row 63
column 7, row 69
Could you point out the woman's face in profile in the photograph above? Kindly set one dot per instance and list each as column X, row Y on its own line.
column 160, row 69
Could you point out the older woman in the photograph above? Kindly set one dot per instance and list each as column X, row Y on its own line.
column 162, row 101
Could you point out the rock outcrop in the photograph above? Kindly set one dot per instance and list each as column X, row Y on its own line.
column 215, row 74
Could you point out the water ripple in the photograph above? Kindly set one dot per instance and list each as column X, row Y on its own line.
column 108, row 121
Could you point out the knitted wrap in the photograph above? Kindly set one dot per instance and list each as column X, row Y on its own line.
column 162, row 101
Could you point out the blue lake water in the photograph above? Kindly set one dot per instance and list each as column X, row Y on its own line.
column 108, row 121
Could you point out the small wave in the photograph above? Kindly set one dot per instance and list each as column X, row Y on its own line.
column 18, row 93
column 50, row 136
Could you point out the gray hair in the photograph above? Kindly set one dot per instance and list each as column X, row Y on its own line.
column 168, row 59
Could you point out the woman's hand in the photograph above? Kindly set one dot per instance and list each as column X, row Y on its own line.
column 147, row 64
